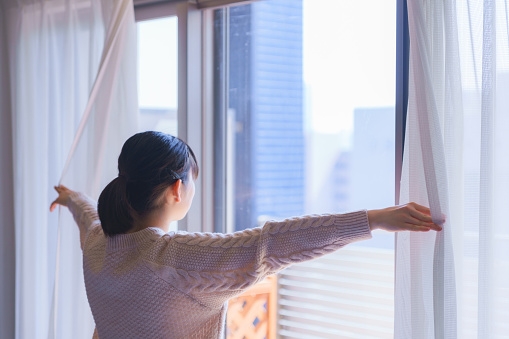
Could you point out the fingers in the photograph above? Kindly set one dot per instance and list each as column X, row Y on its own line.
column 422, row 217
column 424, row 227
column 418, row 219
column 421, row 213
column 423, row 220
column 420, row 208
column 426, row 211
column 61, row 188
column 417, row 228
column 55, row 203
column 63, row 192
column 435, row 227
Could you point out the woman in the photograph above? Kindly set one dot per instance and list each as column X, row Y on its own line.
column 143, row 282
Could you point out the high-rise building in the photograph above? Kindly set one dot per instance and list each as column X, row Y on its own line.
column 266, row 102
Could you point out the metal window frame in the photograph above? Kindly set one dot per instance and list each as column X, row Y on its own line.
column 197, row 89
column 402, row 76
column 220, row 107
column 200, row 4
column 402, row 72
column 195, row 123
column 150, row 11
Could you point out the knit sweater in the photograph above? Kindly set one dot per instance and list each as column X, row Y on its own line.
column 152, row 284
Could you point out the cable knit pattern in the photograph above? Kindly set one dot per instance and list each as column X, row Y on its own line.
column 150, row 284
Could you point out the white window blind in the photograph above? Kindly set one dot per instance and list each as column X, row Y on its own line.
column 347, row 294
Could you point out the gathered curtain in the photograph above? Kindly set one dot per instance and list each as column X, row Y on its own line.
column 74, row 102
column 454, row 283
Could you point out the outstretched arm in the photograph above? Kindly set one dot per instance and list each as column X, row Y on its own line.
column 226, row 264
column 82, row 208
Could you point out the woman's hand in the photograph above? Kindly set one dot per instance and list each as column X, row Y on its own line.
column 63, row 197
column 409, row 217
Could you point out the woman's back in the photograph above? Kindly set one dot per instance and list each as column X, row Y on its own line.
column 129, row 299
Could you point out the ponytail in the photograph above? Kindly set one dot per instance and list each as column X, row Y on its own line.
column 115, row 211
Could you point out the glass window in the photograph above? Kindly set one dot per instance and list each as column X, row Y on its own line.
column 310, row 91
column 157, row 74
column 157, row 77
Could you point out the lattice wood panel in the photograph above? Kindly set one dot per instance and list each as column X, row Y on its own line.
column 252, row 315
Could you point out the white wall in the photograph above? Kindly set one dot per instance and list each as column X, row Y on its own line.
column 7, row 250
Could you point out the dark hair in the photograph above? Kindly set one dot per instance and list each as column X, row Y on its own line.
column 149, row 163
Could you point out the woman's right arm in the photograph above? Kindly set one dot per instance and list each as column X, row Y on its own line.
column 82, row 208
column 218, row 266
column 226, row 264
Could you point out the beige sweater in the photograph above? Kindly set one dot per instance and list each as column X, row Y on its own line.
column 151, row 284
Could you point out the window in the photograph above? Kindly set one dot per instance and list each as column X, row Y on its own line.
column 157, row 74
column 170, row 81
column 307, row 95
column 289, row 106
column 157, row 77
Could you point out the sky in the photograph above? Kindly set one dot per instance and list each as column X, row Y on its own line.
column 157, row 69
column 349, row 60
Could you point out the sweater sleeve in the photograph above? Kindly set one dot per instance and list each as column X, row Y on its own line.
column 200, row 263
column 84, row 211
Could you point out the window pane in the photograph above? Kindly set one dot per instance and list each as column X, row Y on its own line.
column 157, row 74
column 157, row 77
column 310, row 126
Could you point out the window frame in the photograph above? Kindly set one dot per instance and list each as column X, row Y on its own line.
column 194, row 98
column 401, row 100
column 201, row 120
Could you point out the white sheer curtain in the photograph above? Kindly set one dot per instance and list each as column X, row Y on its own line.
column 454, row 284
column 66, row 57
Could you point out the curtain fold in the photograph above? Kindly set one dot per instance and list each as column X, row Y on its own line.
column 66, row 57
column 453, row 284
